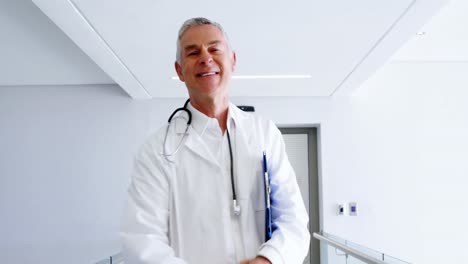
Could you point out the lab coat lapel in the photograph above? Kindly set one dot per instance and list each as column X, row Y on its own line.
column 195, row 144
column 245, row 145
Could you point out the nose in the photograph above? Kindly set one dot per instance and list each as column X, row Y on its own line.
column 205, row 57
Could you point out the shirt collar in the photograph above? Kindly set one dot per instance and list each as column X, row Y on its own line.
column 202, row 122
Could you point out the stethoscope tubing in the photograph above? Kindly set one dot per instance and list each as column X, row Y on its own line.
column 236, row 206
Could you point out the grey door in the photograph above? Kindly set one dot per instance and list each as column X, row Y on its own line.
column 301, row 147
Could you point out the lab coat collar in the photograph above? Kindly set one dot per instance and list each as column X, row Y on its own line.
column 200, row 123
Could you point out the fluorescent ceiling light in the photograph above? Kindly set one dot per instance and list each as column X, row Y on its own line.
column 305, row 76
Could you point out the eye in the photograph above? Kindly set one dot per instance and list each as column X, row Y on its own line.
column 192, row 53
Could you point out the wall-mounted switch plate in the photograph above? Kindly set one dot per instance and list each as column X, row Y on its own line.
column 353, row 210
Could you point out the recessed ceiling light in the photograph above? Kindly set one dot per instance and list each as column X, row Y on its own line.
column 421, row 33
column 303, row 76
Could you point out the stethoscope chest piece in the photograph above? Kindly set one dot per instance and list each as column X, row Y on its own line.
column 236, row 207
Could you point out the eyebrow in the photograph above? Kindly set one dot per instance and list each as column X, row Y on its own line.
column 214, row 42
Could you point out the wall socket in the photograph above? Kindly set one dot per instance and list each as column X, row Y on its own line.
column 342, row 209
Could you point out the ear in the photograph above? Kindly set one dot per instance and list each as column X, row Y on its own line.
column 234, row 58
column 178, row 69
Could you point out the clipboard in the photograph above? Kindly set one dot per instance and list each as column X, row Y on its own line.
column 266, row 181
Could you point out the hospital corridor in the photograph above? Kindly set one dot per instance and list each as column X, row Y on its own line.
column 277, row 132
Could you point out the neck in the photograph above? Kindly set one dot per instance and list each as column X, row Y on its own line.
column 213, row 108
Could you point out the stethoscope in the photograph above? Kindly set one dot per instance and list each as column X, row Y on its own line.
column 236, row 206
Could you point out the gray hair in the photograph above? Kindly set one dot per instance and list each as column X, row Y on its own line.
column 197, row 21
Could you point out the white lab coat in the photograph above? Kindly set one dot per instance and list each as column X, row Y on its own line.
column 180, row 212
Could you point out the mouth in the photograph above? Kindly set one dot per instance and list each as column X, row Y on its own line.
column 205, row 74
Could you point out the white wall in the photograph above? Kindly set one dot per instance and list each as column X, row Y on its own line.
column 65, row 158
column 397, row 148
column 35, row 51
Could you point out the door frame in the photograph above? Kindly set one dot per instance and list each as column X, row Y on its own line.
column 315, row 183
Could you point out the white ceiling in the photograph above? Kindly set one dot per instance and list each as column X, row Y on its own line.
column 34, row 51
column 338, row 43
column 445, row 37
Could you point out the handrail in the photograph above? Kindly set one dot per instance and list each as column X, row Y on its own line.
column 114, row 259
column 353, row 252
column 117, row 258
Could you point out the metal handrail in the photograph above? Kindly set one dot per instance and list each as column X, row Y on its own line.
column 351, row 251
column 114, row 259
column 117, row 258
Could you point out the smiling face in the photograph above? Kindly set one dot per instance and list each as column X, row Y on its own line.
column 206, row 64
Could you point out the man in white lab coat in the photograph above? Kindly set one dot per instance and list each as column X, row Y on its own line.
column 197, row 196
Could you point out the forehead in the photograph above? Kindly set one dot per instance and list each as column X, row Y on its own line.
column 199, row 35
